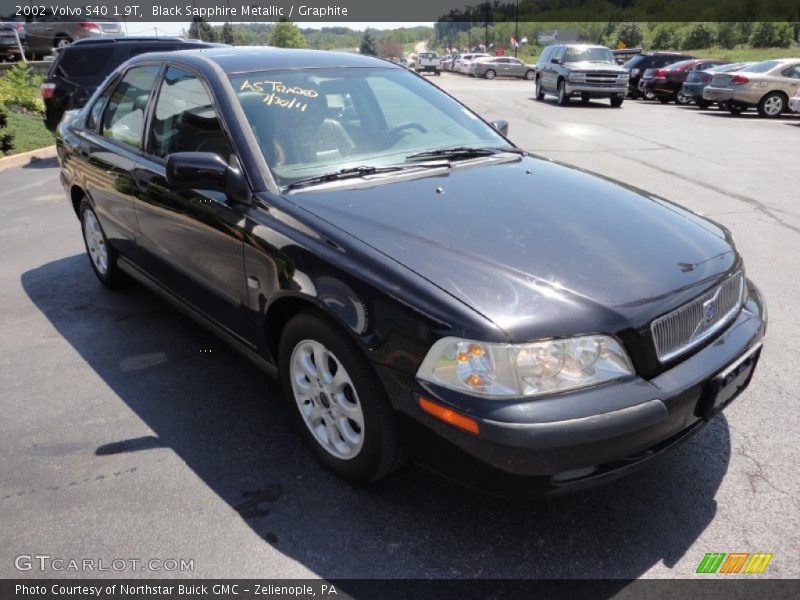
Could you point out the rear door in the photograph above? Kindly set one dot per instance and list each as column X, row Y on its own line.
column 110, row 146
column 790, row 79
column 192, row 241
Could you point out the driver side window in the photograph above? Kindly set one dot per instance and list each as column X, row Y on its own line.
column 185, row 118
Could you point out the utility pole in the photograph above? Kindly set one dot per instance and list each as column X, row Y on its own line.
column 516, row 30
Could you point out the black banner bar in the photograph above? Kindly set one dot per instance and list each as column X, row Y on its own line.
column 728, row 588
column 365, row 11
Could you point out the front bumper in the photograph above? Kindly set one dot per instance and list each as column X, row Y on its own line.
column 596, row 91
column 577, row 439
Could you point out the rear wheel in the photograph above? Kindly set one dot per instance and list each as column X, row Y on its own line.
column 563, row 98
column 648, row 95
column 102, row 256
column 683, row 99
column 62, row 42
column 772, row 105
column 337, row 399
column 734, row 109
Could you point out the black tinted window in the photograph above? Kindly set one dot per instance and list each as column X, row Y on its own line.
column 87, row 62
column 185, row 118
column 123, row 119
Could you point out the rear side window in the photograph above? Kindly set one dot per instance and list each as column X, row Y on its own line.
column 78, row 63
column 123, row 119
column 185, row 118
column 793, row 72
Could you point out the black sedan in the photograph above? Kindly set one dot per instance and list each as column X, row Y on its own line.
column 422, row 287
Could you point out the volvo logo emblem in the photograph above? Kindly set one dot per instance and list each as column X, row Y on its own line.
column 709, row 310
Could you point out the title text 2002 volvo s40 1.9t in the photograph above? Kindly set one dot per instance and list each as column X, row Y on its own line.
column 422, row 287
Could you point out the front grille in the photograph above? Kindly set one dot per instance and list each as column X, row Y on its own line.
column 609, row 79
column 689, row 325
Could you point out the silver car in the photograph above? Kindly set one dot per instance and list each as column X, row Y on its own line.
column 501, row 66
column 766, row 85
column 48, row 33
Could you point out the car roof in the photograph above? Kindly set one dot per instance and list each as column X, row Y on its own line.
column 124, row 39
column 264, row 58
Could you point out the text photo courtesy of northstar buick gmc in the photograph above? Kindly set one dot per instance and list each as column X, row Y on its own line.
column 423, row 288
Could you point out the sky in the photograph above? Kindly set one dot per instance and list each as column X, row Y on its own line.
column 156, row 28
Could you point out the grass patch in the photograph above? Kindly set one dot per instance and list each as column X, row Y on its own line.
column 745, row 54
column 28, row 130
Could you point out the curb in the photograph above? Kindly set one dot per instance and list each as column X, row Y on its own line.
column 19, row 160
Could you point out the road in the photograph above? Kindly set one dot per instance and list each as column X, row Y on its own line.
column 129, row 432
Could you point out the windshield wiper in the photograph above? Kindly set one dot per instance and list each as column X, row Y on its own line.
column 353, row 173
column 462, row 152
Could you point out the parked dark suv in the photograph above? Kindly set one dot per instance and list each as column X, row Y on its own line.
column 655, row 60
column 78, row 69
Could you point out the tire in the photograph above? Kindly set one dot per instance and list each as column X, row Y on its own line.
column 664, row 99
column 437, row 73
column 490, row 74
column 102, row 256
column 734, row 109
column 649, row 95
column 529, row 75
column 585, row 99
column 702, row 103
column 62, row 42
column 616, row 102
column 772, row 105
column 562, row 97
column 537, row 89
column 682, row 99
column 328, row 415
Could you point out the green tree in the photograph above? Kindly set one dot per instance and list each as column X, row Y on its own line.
column 628, row 33
column 6, row 139
column 285, row 34
column 697, row 36
column 727, row 35
column 771, row 35
column 200, row 30
column 368, row 45
column 227, row 34
column 664, row 37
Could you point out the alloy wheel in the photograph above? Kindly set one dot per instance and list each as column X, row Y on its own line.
column 327, row 399
column 95, row 242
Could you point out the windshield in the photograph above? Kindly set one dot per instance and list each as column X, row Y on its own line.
column 601, row 55
column 312, row 122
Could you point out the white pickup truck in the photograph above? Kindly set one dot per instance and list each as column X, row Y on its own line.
column 427, row 62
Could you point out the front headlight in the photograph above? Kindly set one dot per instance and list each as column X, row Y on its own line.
column 577, row 77
column 515, row 370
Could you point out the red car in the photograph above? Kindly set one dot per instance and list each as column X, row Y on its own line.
column 666, row 83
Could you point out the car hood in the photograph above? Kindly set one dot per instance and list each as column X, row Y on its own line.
column 537, row 247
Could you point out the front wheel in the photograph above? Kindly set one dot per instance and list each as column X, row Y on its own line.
column 683, row 99
column 563, row 98
column 528, row 75
column 490, row 74
column 616, row 102
column 537, row 90
column 337, row 399
column 102, row 256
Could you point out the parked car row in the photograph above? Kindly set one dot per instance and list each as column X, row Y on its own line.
column 767, row 86
column 43, row 35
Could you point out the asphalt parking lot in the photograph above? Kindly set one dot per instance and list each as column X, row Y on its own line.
column 129, row 432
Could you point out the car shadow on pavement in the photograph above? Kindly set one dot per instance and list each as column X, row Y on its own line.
column 224, row 418
column 575, row 103
column 42, row 163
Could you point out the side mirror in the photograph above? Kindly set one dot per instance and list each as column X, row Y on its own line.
column 500, row 125
column 206, row 171
column 555, row 61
